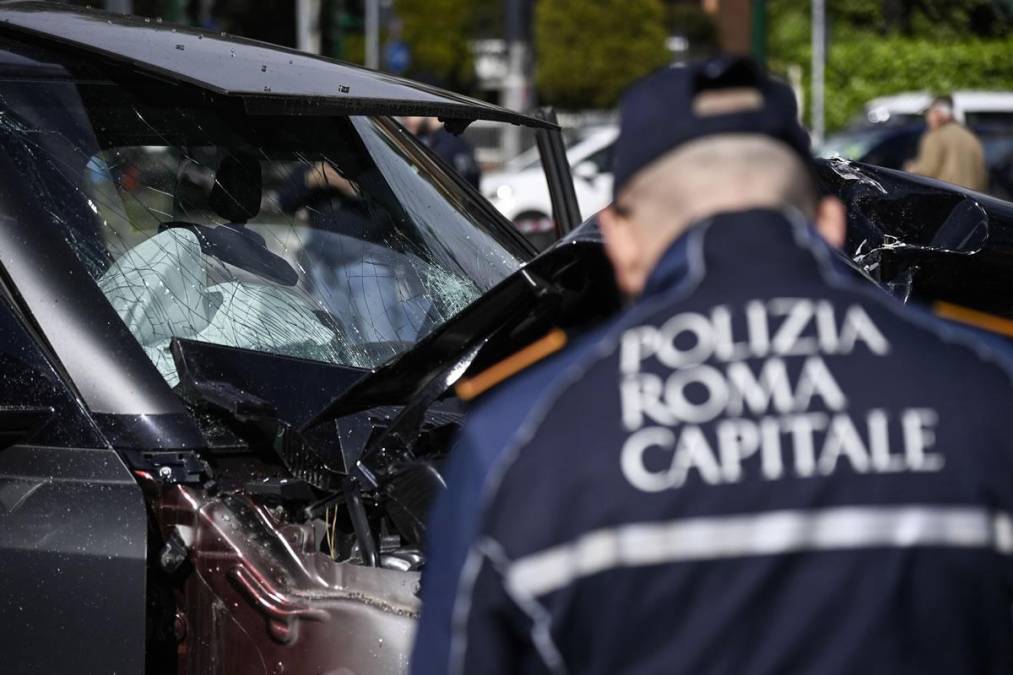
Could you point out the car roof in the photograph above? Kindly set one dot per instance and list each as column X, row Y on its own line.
column 914, row 102
column 269, row 78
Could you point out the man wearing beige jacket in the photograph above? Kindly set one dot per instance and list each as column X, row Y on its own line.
column 948, row 150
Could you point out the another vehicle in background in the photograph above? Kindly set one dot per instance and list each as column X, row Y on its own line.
column 891, row 146
column 522, row 195
column 971, row 107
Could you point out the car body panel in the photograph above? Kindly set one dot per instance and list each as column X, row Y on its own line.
column 180, row 527
column 969, row 106
column 72, row 524
column 267, row 76
column 525, row 191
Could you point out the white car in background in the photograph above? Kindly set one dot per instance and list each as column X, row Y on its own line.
column 520, row 193
column 970, row 107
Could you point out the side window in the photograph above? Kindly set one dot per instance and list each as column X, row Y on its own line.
column 998, row 118
column 894, row 151
column 28, row 380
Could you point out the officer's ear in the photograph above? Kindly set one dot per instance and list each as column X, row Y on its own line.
column 832, row 221
column 623, row 250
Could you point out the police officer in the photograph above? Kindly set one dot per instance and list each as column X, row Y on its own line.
column 451, row 148
column 758, row 467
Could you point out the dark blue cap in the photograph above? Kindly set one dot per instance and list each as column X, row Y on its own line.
column 670, row 107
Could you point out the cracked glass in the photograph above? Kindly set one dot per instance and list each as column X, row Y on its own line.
column 335, row 239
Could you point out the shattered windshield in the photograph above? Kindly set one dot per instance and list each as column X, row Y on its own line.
column 335, row 239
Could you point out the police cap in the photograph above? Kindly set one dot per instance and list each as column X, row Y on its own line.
column 722, row 95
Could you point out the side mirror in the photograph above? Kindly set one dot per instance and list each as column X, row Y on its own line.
column 586, row 171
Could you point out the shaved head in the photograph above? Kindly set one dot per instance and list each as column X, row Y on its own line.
column 720, row 173
column 711, row 175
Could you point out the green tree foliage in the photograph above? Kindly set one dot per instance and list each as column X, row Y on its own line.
column 881, row 47
column 438, row 33
column 588, row 52
column 693, row 23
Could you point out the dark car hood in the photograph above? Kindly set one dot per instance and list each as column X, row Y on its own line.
column 925, row 240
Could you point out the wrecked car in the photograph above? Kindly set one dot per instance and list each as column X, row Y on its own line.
column 927, row 242
column 236, row 295
column 236, row 298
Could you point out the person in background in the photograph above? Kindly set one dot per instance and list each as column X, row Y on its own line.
column 759, row 466
column 949, row 151
column 452, row 149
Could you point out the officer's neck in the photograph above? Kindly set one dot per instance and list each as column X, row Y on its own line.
column 674, row 265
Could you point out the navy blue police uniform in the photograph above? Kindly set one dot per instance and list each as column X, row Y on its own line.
column 456, row 152
column 492, row 421
column 759, row 467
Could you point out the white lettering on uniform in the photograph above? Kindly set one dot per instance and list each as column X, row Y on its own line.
column 710, row 380
column 737, row 440
column 637, row 345
column 917, row 424
column 690, row 323
column 640, row 395
column 787, row 341
column 771, row 463
column 757, row 328
column 759, row 393
column 858, row 327
column 801, row 427
column 725, row 347
column 843, row 441
column 816, row 380
column 740, row 440
column 763, row 417
column 631, row 460
column 694, row 452
column 826, row 327
column 879, row 444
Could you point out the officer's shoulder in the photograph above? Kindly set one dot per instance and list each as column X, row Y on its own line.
column 955, row 342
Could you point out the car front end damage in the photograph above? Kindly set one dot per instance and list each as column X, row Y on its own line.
column 249, row 293
column 236, row 298
column 261, row 593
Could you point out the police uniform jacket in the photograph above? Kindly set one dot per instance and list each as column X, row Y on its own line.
column 763, row 467
column 456, row 152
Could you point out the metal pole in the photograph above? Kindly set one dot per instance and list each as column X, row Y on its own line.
column 515, row 83
column 760, row 31
column 307, row 25
column 120, row 6
column 373, row 34
column 819, row 48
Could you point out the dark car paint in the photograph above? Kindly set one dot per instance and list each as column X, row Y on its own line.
column 72, row 527
column 91, row 502
column 267, row 77
column 894, row 219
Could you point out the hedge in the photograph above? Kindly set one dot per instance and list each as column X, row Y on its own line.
column 438, row 31
column 863, row 67
column 588, row 52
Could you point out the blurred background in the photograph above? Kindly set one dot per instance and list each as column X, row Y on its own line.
column 863, row 70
